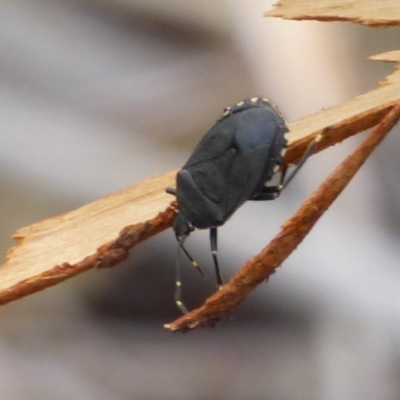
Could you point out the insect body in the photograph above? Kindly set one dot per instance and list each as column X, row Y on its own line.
column 231, row 164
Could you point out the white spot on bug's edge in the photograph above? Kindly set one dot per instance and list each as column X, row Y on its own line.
column 240, row 103
column 254, row 99
column 266, row 100
column 318, row 138
column 178, row 283
column 283, row 152
column 286, row 136
column 276, row 168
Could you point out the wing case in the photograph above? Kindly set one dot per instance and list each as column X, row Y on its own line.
column 233, row 161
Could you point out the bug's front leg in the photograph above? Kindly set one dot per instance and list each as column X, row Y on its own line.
column 171, row 190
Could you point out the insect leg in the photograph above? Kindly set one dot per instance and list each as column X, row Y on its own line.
column 213, row 242
column 271, row 192
column 310, row 150
column 171, row 190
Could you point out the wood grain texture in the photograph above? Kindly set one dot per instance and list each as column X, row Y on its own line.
column 98, row 234
column 366, row 12
column 101, row 233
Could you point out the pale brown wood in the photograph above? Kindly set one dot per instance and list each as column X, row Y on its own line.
column 57, row 248
column 366, row 12
column 101, row 233
column 351, row 117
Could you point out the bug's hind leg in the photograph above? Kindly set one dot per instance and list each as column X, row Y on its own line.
column 171, row 190
column 309, row 151
column 214, row 249
column 271, row 192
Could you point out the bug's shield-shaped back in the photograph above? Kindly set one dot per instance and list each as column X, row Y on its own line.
column 233, row 160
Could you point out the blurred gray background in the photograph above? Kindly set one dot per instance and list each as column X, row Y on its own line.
column 99, row 94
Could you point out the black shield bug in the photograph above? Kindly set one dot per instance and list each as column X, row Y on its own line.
column 233, row 163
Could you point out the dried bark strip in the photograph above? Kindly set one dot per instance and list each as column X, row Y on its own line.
column 58, row 248
column 372, row 13
column 293, row 232
column 108, row 255
column 349, row 118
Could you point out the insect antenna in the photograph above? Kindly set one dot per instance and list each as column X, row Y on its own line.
column 191, row 259
column 213, row 243
column 178, row 280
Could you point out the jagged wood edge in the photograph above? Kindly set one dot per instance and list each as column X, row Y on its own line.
column 356, row 11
